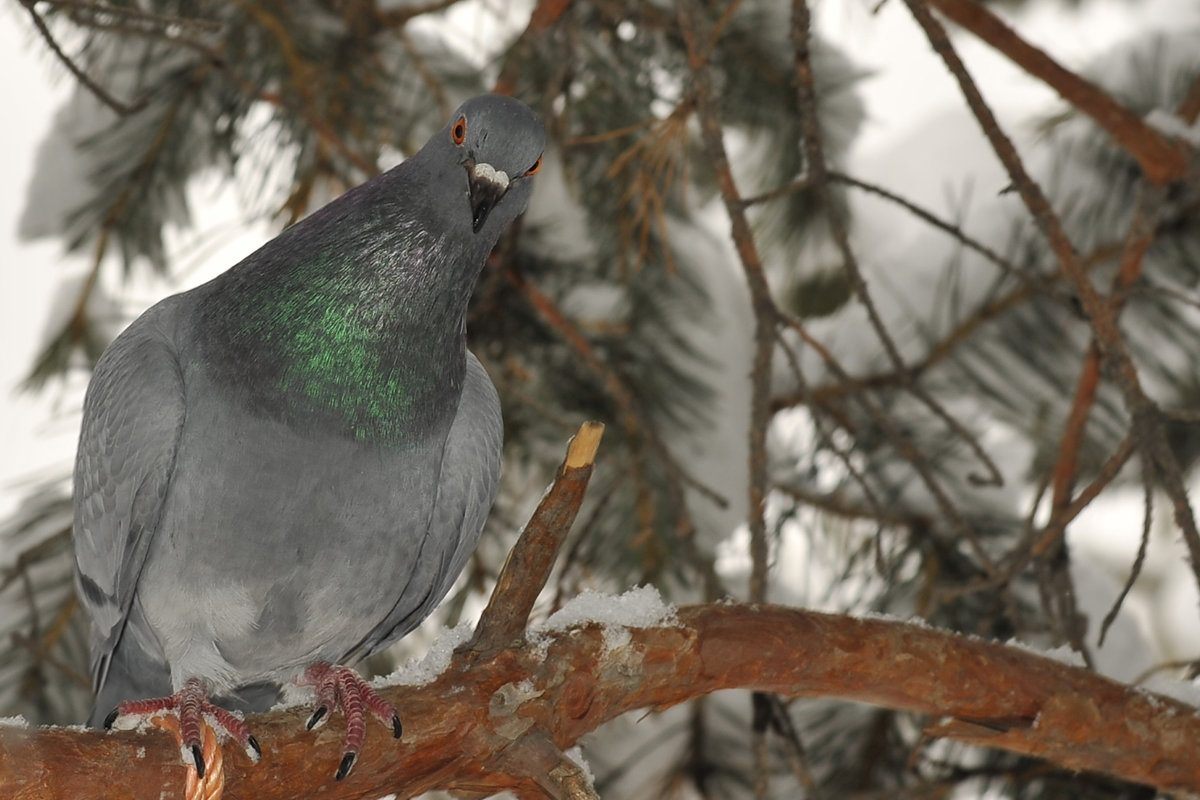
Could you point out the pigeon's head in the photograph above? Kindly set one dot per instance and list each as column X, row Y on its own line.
column 491, row 147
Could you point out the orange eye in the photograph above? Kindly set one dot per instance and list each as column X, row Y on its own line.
column 536, row 166
column 459, row 132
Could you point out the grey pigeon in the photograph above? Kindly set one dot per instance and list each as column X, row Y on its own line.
column 284, row 470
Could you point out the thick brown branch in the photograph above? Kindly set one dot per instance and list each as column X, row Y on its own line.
column 461, row 729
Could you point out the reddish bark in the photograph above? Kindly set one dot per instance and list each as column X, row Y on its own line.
column 476, row 729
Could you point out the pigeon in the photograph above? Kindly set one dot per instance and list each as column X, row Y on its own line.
column 284, row 470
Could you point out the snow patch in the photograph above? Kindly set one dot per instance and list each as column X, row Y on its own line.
column 138, row 722
column 1183, row 691
column 576, row 755
column 639, row 607
column 16, row 721
column 880, row 616
column 1166, row 122
column 423, row 671
column 1063, row 654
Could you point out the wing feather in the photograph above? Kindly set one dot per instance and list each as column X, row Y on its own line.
column 132, row 417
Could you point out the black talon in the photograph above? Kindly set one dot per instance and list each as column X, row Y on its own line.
column 111, row 718
column 396, row 729
column 250, row 740
column 317, row 715
column 198, row 758
column 346, row 765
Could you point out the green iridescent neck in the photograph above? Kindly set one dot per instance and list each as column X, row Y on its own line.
column 363, row 352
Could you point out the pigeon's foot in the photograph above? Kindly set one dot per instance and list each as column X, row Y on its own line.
column 341, row 688
column 192, row 707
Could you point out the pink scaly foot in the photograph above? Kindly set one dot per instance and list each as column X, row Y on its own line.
column 191, row 705
column 342, row 688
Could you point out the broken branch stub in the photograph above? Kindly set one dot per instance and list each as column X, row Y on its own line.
column 529, row 563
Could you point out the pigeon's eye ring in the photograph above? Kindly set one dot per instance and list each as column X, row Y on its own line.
column 458, row 134
column 536, row 166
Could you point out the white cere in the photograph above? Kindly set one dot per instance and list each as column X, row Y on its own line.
column 485, row 171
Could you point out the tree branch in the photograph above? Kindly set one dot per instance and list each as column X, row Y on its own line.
column 766, row 315
column 1161, row 159
column 461, row 729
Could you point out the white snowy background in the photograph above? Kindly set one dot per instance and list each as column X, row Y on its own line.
column 918, row 140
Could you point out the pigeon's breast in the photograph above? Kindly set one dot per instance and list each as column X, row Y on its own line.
column 278, row 547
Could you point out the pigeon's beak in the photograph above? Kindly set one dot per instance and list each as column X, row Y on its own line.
column 485, row 186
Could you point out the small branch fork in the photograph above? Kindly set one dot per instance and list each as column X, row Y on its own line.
column 499, row 717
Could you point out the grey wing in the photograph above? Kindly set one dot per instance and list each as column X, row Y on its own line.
column 132, row 417
column 467, row 485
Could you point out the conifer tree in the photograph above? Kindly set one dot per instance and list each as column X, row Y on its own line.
column 795, row 415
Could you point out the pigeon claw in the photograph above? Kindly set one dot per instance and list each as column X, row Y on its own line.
column 192, row 706
column 342, row 689
column 317, row 717
column 347, row 764
column 111, row 718
column 198, row 761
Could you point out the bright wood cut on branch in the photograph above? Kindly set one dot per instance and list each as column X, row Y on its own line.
column 499, row 719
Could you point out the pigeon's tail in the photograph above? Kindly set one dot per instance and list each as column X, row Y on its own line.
column 134, row 675
column 128, row 673
column 253, row 698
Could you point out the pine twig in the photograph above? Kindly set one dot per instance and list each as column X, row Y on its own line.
column 85, row 80
column 766, row 318
column 1038, row 542
column 766, row 315
column 1136, row 569
column 1067, row 467
column 834, row 393
column 928, row 217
